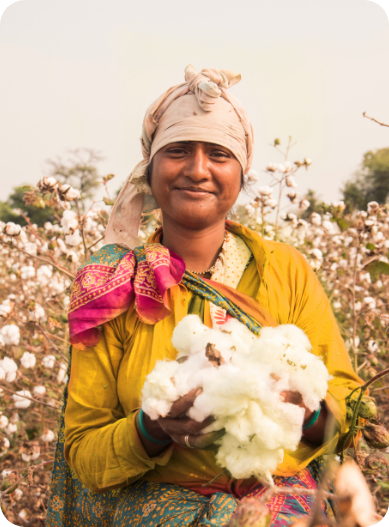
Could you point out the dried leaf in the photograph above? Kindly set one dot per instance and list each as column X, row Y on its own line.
column 53, row 323
column 373, row 461
column 30, row 326
column 369, row 319
column 376, row 269
column 180, row 360
column 355, row 502
column 108, row 201
column 213, row 355
column 376, row 435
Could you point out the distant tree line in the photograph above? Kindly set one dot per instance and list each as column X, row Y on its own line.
column 78, row 169
column 369, row 183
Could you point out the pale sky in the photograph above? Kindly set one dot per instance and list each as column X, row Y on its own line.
column 81, row 73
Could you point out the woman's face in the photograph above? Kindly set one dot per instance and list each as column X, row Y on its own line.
column 195, row 184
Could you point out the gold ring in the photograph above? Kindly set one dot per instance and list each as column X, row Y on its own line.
column 186, row 439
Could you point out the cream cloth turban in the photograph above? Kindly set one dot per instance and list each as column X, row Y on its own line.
column 201, row 109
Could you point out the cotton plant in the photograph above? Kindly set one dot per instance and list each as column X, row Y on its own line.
column 242, row 378
column 37, row 268
column 267, row 200
column 10, row 334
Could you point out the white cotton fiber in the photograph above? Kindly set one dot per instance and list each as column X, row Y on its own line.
column 241, row 382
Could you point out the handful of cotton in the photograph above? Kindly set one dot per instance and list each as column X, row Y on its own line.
column 242, row 377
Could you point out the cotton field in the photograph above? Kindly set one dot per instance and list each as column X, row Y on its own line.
column 349, row 253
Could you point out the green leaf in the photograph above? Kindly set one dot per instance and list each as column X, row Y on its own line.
column 110, row 176
column 108, row 201
column 384, row 485
column 343, row 224
column 376, row 269
column 39, row 203
column 370, row 247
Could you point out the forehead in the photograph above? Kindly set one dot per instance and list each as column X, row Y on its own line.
column 199, row 144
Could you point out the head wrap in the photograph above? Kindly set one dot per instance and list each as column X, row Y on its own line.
column 201, row 109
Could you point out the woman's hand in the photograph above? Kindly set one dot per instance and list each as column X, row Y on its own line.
column 178, row 426
column 315, row 433
column 287, row 396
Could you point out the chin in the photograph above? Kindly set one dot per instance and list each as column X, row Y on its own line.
column 194, row 219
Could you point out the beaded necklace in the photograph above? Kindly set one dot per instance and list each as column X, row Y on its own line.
column 212, row 269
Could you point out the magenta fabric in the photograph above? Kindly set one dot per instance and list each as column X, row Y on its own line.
column 112, row 279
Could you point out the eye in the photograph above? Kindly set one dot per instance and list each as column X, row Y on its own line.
column 176, row 150
column 220, row 154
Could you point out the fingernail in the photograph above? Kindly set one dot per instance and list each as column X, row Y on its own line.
column 200, row 390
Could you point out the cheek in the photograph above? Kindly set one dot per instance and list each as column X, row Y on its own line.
column 160, row 184
column 230, row 185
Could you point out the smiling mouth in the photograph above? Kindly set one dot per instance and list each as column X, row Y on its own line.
column 195, row 190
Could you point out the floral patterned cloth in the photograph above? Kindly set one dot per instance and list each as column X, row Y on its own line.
column 230, row 267
column 147, row 504
column 108, row 283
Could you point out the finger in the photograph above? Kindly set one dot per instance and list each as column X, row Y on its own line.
column 200, row 441
column 288, row 396
column 184, row 425
column 184, row 403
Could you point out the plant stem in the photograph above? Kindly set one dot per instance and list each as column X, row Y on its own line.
column 355, row 317
column 29, row 398
column 56, row 265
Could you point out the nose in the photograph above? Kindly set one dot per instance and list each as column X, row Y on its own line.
column 197, row 167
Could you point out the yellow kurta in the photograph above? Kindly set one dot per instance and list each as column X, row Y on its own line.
column 102, row 444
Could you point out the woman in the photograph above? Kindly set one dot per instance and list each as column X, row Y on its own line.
column 127, row 299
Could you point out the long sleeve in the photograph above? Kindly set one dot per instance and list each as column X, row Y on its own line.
column 311, row 311
column 102, row 445
column 313, row 314
column 282, row 281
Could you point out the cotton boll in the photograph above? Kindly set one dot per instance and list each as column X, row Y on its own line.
column 74, row 238
column 287, row 348
column 62, row 372
column 241, row 336
column 37, row 314
column 4, row 446
column 48, row 361
column 39, row 390
column 159, row 392
column 186, row 333
column 9, row 367
column 242, row 377
column 11, row 428
column 20, row 399
column 27, row 272
column 5, row 308
column 10, row 334
column 28, row 360
column 43, row 274
column 3, row 421
column 69, row 221
column 189, row 375
column 48, row 436
column 250, row 460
